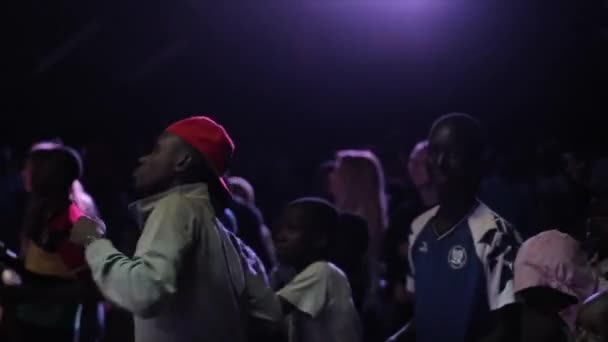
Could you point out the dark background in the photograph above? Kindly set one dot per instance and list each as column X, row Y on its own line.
column 295, row 80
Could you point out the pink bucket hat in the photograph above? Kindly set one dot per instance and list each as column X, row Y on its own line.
column 555, row 260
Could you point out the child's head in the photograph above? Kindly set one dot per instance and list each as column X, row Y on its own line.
column 306, row 231
column 592, row 320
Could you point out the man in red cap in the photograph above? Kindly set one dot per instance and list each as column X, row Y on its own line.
column 189, row 279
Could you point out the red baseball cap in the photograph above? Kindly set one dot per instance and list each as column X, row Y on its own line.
column 210, row 139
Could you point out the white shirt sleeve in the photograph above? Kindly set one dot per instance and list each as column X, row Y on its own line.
column 499, row 262
column 143, row 283
column 308, row 290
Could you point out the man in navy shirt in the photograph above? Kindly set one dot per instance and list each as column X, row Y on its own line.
column 461, row 252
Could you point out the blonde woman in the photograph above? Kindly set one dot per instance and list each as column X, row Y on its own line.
column 57, row 293
column 357, row 184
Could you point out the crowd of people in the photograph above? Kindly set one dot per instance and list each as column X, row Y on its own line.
column 466, row 253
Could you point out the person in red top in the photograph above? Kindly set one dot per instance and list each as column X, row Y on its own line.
column 55, row 285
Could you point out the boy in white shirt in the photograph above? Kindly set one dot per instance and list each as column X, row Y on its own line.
column 318, row 301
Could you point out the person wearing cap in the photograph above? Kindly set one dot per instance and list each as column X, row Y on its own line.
column 556, row 260
column 189, row 279
column 552, row 278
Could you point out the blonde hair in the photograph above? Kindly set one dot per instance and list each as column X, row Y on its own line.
column 361, row 191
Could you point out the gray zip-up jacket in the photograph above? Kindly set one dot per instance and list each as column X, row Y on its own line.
column 188, row 280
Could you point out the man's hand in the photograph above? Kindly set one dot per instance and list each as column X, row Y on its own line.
column 86, row 230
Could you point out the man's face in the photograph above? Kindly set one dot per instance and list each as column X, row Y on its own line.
column 157, row 171
column 451, row 164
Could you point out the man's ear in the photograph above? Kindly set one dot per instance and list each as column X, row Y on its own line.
column 183, row 162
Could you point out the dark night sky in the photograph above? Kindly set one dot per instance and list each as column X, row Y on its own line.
column 303, row 77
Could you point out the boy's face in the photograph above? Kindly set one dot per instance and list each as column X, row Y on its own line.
column 450, row 161
column 291, row 239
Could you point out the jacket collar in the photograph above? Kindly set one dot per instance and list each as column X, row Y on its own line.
column 147, row 204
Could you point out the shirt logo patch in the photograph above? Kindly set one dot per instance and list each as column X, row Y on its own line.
column 457, row 257
column 423, row 247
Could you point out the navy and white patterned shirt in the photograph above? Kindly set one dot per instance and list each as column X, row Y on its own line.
column 460, row 276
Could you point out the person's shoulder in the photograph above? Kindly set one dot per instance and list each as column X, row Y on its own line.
column 332, row 270
column 484, row 218
column 175, row 200
column 314, row 276
column 184, row 205
column 322, row 271
column 323, row 268
column 334, row 279
column 488, row 227
column 422, row 220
